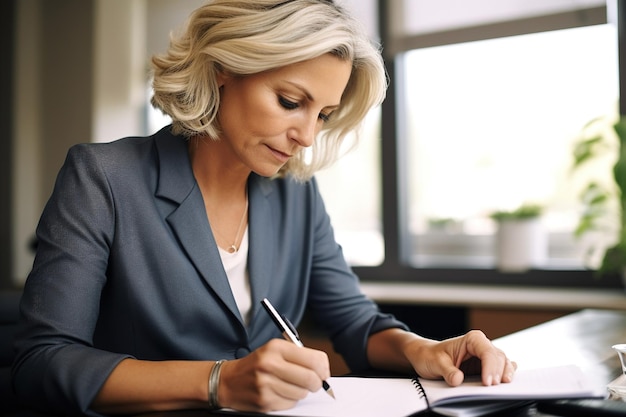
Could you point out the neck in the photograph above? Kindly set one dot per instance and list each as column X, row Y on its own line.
column 223, row 183
column 218, row 172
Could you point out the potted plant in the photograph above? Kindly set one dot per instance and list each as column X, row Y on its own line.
column 604, row 204
column 521, row 241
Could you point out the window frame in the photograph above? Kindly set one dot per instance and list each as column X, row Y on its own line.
column 395, row 267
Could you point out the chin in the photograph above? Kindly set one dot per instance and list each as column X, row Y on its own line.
column 268, row 172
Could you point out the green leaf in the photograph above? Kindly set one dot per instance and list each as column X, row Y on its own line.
column 587, row 149
column 614, row 260
column 526, row 211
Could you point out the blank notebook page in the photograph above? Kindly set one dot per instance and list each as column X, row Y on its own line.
column 360, row 397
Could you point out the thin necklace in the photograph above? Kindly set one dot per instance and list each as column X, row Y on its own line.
column 234, row 248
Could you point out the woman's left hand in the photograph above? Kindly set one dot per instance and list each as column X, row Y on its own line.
column 472, row 354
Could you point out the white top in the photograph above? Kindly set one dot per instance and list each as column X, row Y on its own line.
column 236, row 267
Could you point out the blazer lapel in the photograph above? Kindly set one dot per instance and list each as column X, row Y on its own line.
column 262, row 252
column 188, row 219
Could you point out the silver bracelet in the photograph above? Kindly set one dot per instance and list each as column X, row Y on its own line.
column 214, row 379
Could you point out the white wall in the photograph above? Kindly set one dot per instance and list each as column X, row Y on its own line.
column 120, row 67
column 52, row 104
column 26, row 150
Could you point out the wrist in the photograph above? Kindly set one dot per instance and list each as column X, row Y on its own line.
column 390, row 349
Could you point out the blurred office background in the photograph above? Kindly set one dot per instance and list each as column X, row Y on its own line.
column 486, row 100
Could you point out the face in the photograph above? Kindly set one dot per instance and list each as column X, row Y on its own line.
column 267, row 118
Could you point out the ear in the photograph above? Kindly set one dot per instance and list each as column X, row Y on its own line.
column 222, row 78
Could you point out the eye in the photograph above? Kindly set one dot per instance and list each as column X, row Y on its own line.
column 324, row 117
column 287, row 104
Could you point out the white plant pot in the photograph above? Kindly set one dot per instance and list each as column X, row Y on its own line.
column 520, row 245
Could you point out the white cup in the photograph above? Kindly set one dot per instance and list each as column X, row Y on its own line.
column 621, row 352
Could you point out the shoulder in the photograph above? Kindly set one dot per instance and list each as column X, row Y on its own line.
column 121, row 155
column 116, row 152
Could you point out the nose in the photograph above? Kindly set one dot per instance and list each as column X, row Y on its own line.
column 304, row 132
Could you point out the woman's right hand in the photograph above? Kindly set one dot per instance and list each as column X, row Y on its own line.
column 274, row 377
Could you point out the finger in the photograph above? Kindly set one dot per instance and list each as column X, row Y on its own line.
column 287, row 391
column 453, row 376
column 450, row 373
column 498, row 368
column 302, row 378
column 302, row 367
column 314, row 362
column 494, row 364
column 491, row 368
column 269, row 393
column 509, row 371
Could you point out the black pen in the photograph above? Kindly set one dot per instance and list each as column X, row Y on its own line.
column 289, row 332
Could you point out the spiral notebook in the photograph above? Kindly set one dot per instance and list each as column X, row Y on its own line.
column 403, row 397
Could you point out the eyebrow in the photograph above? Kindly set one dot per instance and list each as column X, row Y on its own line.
column 308, row 95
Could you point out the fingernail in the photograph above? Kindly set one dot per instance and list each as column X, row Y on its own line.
column 489, row 380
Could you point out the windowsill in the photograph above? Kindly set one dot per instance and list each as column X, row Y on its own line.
column 495, row 296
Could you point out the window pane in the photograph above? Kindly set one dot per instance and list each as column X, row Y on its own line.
column 490, row 126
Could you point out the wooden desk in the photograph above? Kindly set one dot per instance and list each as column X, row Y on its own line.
column 583, row 338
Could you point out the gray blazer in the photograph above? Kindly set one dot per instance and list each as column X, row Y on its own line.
column 127, row 266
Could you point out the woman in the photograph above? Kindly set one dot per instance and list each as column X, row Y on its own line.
column 154, row 252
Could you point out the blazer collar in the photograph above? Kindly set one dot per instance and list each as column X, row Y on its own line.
column 262, row 251
column 176, row 180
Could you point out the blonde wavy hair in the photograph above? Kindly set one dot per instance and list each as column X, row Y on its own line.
column 244, row 37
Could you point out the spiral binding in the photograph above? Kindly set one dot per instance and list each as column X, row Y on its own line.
column 420, row 389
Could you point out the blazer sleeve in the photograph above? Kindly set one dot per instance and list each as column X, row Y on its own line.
column 60, row 304
column 335, row 298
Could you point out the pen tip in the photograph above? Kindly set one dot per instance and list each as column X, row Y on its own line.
column 328, row 389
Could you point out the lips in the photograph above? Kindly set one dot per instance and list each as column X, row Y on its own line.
column 281, row 156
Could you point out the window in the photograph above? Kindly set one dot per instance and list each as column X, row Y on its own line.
column 489, row 125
